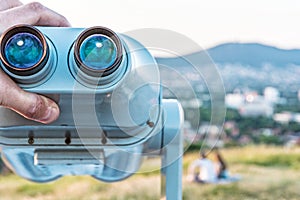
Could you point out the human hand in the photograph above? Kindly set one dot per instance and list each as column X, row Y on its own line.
column 31, row 106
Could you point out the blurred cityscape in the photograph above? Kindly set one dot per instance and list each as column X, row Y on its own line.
column 262, row 97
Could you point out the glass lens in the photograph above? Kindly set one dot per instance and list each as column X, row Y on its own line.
column 23, row 50
column 98, row 52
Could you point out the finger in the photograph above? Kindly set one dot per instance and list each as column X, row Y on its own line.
column 7, row 4
column 45, row 16
column 33, row 14
column 31, row 106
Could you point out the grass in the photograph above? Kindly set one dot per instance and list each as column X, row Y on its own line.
column 266, row 156
column 257, row 183
column 267, row 173
column 34, row 190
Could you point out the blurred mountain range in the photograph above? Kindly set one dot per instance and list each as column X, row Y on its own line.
column 250, row 65
column 254, row 54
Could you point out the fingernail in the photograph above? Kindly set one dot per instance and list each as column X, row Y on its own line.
column 51, row 114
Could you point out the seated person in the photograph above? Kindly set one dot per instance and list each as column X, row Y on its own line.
column 206, row 169
column 221, row 166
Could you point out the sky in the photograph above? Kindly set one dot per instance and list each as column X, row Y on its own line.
column 207, row 22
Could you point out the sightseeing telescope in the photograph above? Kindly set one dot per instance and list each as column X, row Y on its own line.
column 112, row 114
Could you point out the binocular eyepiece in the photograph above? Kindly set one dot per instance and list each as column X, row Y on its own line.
column 98, row 51
column 23, row 50
column 29, row 56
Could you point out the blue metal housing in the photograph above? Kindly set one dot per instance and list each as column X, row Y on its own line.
column 107, row 124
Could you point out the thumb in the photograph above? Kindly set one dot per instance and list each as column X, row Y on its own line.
column 31, row 106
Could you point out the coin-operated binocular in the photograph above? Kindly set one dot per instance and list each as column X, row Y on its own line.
column 112, row 112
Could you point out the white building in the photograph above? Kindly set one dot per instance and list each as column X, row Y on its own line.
column 234, row 101
column 256, row 109
column 250, row 103
column 271, row 95
column 284, row 117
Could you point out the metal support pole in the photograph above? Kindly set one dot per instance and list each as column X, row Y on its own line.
column 172, row 152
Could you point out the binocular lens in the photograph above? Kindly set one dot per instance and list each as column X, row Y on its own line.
column 98, row 52
column 23, row 50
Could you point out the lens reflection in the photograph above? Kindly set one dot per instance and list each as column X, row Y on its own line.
column 98, row 52
column 23, row 50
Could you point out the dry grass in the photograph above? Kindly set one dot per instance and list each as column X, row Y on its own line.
column 260, row 180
